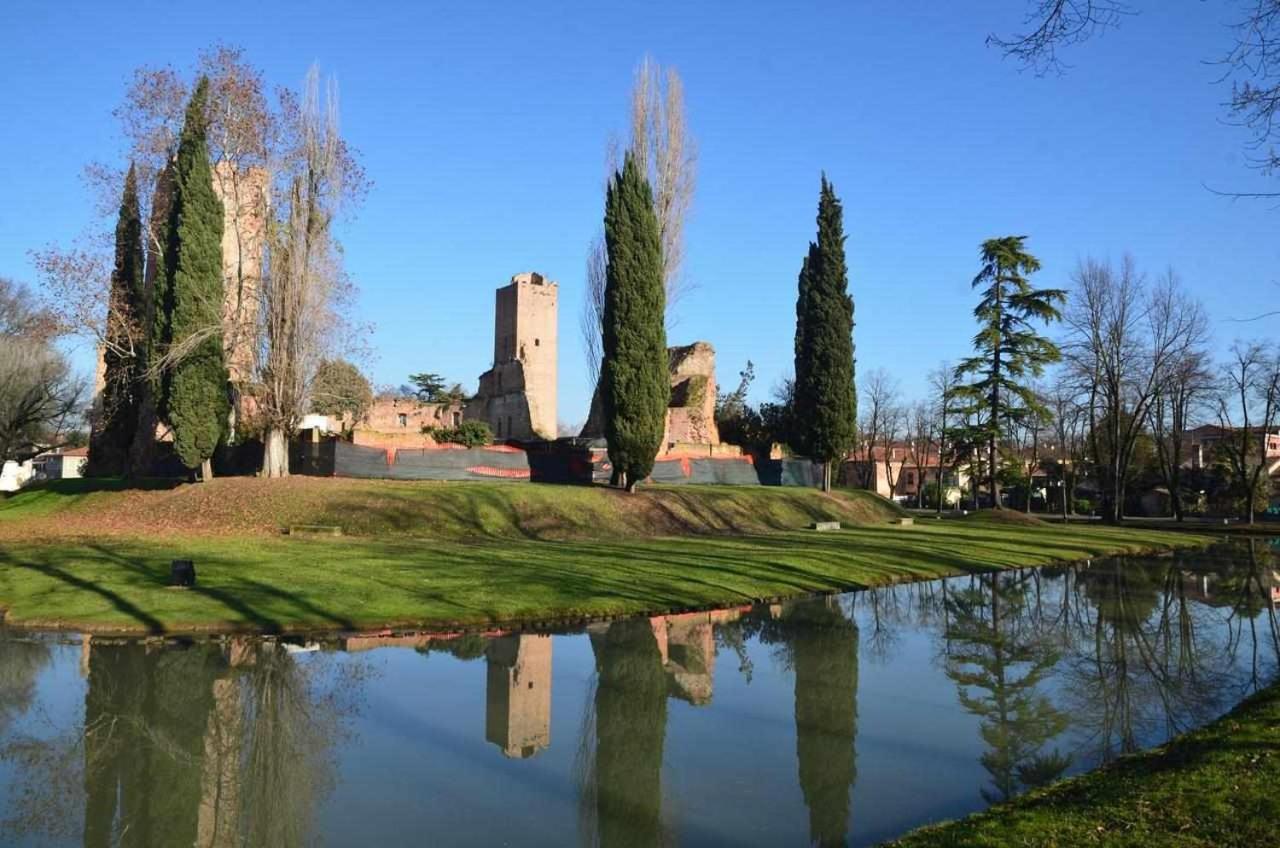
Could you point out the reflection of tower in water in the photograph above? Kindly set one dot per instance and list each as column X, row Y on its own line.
column 518, row 694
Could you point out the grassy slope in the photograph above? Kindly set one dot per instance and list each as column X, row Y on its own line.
column 1212, row 787
column 442, row 511
column 255, row 582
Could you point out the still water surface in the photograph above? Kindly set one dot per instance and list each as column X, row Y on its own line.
column 851, row 719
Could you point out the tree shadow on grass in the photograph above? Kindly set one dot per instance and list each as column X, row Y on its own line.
column 231, row 598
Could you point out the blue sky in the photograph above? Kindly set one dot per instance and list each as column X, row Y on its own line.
column 483, row 127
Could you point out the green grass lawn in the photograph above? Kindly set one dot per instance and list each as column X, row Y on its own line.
column 1209, row 788
column 279, row 583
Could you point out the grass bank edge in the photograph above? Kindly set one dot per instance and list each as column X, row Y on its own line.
column 749, row 569
column 1213, row 786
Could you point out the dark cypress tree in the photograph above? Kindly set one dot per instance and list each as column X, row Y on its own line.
column 196, row 401
column 117, row 413
column 826, row 403
column 634, row 378
column 155, row 327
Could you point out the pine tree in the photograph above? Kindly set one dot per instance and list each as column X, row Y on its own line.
column 826, row 402
column 635, row 384
column 196, row 401
column 122, row 362
column 1008, row 350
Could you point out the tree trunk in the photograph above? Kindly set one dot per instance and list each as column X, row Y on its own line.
column 991, row 474
column 826, row 476
column 275, row 454
column 206, row 470
column 630, row 485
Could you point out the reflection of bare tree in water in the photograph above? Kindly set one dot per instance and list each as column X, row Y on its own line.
column 998, row 657
column 206, row 744
column 1249, row 586
column 20, row 663
column 1140, row 667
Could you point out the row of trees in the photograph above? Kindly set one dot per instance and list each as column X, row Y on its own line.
column 1132, row 376
column 207, row 334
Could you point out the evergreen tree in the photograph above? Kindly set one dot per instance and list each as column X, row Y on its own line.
column 117, row 413
column 826, row 403
column 155, row 328
column 1008, row 350
column 197, row 400
column 634, row 377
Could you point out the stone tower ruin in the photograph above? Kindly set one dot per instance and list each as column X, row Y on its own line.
column 517, row 396
column 244, row 228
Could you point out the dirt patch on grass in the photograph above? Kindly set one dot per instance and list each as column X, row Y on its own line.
column 429, row 510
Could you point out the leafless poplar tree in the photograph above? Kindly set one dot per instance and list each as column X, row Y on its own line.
column 662, row 145
column 1124, row 337
column 303, row 282
column 1248, row 409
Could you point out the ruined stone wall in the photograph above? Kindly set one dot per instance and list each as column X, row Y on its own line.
column 398, row 422
column 691, row 413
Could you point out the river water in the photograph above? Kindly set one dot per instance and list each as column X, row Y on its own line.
column 851, row 718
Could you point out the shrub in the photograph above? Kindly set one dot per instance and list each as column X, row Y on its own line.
column 471, row 434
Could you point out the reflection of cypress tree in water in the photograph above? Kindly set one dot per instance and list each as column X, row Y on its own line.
column 823, row 645
column 20, row 664
column 990, row 646
column 631, row 722
column 146, row 712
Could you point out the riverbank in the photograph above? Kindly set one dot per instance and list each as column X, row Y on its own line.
column 488, row 559
column 1211, row 787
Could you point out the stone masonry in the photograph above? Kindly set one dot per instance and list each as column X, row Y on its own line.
column 517, row 396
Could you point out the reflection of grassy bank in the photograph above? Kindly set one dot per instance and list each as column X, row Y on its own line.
column 1211, row 787
column 256, row 583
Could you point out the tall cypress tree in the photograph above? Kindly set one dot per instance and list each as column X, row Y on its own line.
column 117, row 414
column 826, row 403
column 196, row 401
column 634, row 378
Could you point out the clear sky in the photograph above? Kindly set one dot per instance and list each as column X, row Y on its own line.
column 483, row 127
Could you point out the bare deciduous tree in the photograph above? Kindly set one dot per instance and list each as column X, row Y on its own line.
column 922, row 428
column 1124, row 337
column 942, row 385
column 662, row 145
column 1248, row 409
column 1179, row 399
column 303, row 283
column 40, row 398
column 1068, row 416
column 878, row 394
column 1251, row 63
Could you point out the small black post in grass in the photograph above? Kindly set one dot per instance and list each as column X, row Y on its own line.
column 182, row 573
